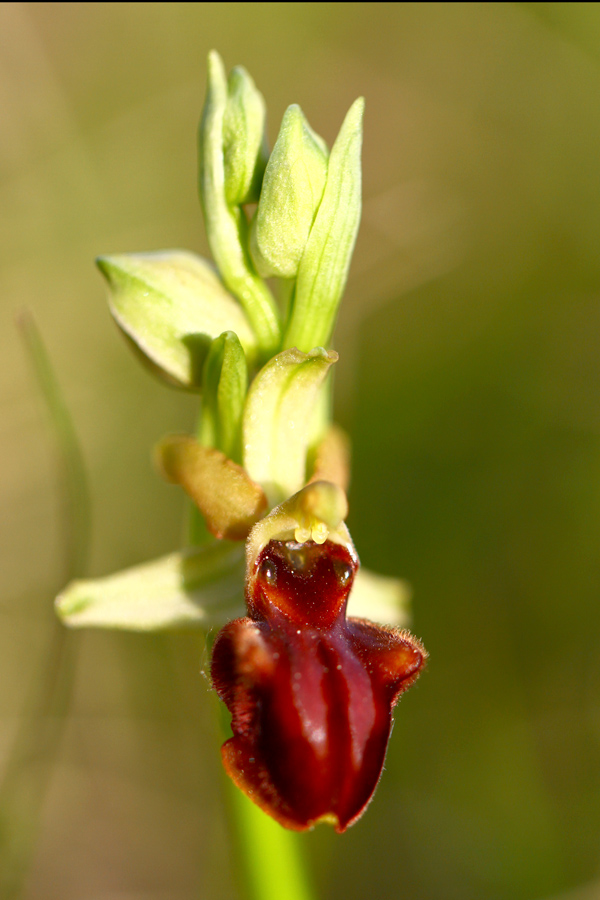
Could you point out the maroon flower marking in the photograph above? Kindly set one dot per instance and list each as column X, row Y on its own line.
column 310, row 692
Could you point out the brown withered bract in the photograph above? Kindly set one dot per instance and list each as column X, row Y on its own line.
column 310, row 692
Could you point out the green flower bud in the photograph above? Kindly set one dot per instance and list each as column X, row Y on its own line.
column 244, row 148
column 224, row 386
column 324, row 265
column 226, row 225
column 291, row 193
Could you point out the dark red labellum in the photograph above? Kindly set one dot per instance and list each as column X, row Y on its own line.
column 310, row 692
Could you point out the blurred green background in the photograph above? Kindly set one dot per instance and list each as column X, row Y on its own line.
column 469, row 379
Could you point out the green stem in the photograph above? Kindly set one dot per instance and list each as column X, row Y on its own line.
column 271, row 860
column 271, row 864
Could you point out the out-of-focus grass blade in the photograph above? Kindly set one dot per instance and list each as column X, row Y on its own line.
column 28, row 767
column 75, row 493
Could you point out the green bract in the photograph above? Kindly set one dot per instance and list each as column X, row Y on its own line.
column 324, row 265
column 291, row 192
column 172, row 304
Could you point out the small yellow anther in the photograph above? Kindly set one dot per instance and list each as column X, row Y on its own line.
column 320, row 533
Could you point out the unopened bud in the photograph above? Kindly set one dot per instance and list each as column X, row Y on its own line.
column 291, row 193
column 244, row 150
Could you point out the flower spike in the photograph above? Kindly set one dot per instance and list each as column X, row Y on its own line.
column 309, row 678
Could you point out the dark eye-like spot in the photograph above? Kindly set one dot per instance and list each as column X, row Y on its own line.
column 343, row 572
column 268, row 571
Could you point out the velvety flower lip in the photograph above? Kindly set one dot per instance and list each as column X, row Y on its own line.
column 310, row 692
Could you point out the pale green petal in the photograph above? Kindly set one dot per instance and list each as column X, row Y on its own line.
column 172, row 304
column 277, row 418
column 195, row 588
column 229, row 500
column 380, row 599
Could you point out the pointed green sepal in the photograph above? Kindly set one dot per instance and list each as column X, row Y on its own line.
column 171, row 305
column 224, row 387
column 379, row 598
column 195, row 588
column 229, row 500
column 291, row 193
column 244, row 147
column 324, row 265
column 226, row 224
column 277, row 418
